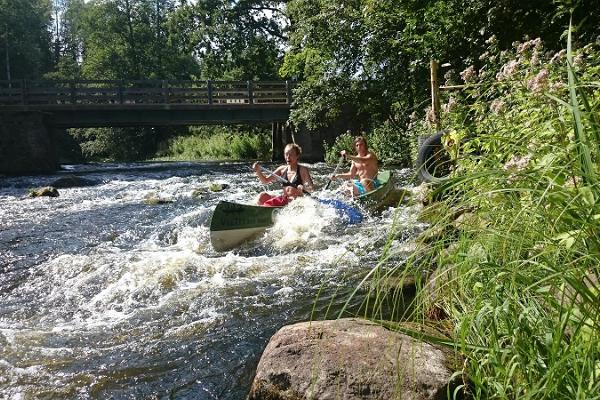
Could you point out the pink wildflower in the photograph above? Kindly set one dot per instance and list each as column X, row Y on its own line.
column 517, row 163
column 469, row 75
column 451, row 105
column 492, row 40
column 558, row 57
column 508, row 70
column 497, row 106
column 539, row 83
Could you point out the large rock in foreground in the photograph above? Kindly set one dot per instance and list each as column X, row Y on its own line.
column 348, row 359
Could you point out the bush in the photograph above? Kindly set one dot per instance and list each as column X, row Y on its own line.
column 220, row 143
column 345, row 141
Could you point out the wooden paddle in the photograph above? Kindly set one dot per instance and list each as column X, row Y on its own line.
column 281, row 179
column 339, row 164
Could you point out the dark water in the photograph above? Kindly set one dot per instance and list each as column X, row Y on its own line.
column 106, row 295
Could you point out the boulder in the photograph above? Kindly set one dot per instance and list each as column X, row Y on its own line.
column 154, row 199
column 349, row 359
column 47, row 191
column 73, row 181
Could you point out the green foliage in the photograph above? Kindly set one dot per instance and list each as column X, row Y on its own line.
column 24, row 38
column 345, row 141
column 392, row 144
column 220, row 143
column 116, row 144
column 231, row 39
column 516, row 241
column 370, row 59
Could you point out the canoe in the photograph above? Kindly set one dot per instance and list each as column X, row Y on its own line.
column 233, row 223
column 378, row 198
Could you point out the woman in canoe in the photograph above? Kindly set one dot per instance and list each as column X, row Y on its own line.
column 297, row 177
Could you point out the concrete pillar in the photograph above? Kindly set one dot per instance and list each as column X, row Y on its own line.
column 278, row 141
column 26, row 144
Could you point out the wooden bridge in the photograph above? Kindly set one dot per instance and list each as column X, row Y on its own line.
column 95, row 103
column 32, row 113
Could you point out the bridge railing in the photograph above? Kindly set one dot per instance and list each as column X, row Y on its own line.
column 132, row 92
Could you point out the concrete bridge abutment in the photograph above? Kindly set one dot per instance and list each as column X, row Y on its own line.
column 311, row 142
column 26, row 143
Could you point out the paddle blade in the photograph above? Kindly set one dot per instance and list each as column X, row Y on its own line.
column 351, row 215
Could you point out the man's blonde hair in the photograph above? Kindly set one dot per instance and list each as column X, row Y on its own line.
column 361, row 139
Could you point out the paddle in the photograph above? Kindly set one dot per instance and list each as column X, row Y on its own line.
column 339, row 164
column 354, row 215
column 281, row 179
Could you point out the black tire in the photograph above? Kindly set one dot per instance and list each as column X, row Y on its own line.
column 433, row 161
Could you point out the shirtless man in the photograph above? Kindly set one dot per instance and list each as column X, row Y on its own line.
column 297, row 176
column 364, row 169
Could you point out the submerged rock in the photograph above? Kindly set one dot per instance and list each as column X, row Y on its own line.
column 349, row 359
column 217, row 187
column 47, row 191
column 154, row 199
column 73, row 181
column 206, row 191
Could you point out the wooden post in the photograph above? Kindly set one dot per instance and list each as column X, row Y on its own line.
column 288, row 92
column 23, row 91
column 250, row 94
column 209, row 90
column 435, row 94
column 165, row 90
column 73, row 92
column 121, row 96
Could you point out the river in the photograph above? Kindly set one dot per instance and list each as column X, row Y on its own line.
column 105, row 294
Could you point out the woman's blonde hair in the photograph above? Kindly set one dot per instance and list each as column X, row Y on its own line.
column 295, row 147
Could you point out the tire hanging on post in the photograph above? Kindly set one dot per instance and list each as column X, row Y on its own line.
column 433, row 161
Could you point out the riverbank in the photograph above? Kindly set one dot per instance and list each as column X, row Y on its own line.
column 512, row 251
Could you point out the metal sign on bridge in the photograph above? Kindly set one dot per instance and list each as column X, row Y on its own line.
column 92, row 103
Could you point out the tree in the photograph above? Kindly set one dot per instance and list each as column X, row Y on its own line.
column 25, row 38
column 232, row 39
column 372, row 56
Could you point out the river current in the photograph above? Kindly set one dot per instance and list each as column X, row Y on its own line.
column 105, row 294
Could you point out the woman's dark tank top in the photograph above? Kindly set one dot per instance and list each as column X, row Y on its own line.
column 296, row 180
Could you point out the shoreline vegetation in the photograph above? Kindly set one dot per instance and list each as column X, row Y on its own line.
column 218, row 143
column 507, row 273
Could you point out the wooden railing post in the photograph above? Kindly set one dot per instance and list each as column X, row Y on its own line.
column 165, row 91
column 120, row 91
column 435, row 94
column 209, row 90
column 72, row 92
column 288, row 92
column 250, row 94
